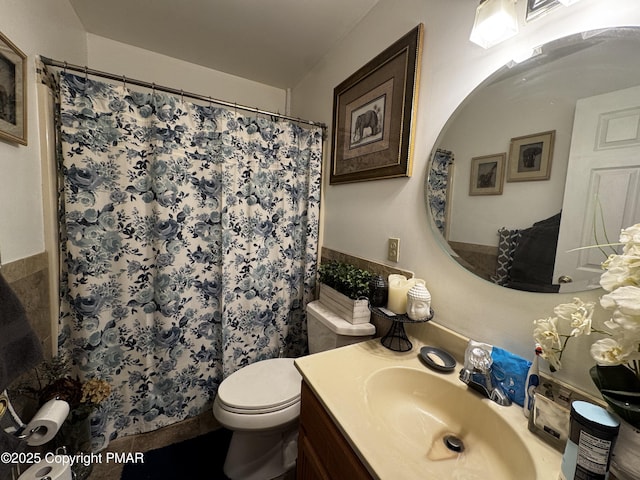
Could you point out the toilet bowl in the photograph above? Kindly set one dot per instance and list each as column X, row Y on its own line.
column 260, row 403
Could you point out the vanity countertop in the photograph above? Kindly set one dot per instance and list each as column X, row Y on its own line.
column 339, row 380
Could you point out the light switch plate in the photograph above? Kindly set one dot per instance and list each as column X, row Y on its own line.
column 393, row 253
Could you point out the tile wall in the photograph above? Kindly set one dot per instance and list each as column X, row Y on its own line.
column 28, row 278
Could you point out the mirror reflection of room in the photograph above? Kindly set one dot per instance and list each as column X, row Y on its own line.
column 557, row 113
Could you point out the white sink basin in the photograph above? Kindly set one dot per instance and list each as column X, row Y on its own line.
column 394, row 413
column 419, row 408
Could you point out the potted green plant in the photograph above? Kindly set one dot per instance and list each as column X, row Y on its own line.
column 344, row 289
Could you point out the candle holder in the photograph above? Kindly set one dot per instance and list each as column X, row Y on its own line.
column 396, row 338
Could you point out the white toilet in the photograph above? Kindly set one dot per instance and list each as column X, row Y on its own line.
column 261, row 402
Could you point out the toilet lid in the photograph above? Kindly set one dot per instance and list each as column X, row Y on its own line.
column 263, row 386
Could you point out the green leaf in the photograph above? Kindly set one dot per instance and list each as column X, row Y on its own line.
column 345, row 278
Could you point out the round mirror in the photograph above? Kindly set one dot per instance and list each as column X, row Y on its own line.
column 541, row 159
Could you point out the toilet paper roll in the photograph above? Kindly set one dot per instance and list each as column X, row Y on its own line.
column 46, row 469
column 46, row 422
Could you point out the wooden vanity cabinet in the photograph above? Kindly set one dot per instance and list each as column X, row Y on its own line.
column 323, row 452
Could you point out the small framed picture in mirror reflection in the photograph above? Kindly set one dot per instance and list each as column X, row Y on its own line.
column 530, row 157
column 13, row 96
column 487, row 174
column 537, row 8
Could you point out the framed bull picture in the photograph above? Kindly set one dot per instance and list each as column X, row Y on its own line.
column 373, row 115
column 530, row 157
column 13, row 95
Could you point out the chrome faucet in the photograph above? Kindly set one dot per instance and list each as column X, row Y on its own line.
column 477, row 374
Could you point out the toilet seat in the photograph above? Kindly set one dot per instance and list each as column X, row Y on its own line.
column 262, row 387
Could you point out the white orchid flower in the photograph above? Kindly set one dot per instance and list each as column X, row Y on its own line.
column 620, row 271
column 546, row 333
column 627, row 325
column 621, row 279
column 630, row 237
column 610, row 352
column 626, row 299
column 546, row 336
column 578, row 314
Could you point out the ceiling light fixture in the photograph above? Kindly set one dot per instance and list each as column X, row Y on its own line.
column 495, row 22
column 566, row 3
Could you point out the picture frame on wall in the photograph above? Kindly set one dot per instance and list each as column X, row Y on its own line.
column 537, row 8
column 487, row 174
column 530, row 157
column 373, row 114
column 13, row 94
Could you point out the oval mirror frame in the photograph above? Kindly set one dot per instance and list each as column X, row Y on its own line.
column 556, row 75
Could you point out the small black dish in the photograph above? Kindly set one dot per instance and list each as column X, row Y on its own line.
column 437, row 359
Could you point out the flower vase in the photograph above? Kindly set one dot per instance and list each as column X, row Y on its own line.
column 75, row 436
column 620, row 388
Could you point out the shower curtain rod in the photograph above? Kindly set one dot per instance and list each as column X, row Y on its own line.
column 173, row 91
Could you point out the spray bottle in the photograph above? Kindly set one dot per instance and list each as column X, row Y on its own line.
column 532, row 381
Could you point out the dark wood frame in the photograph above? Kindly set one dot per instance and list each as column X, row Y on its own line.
column 379, row 100
column 13, row 92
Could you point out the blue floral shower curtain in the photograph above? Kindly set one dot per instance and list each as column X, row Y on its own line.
column 438, row 187
column 188, row 250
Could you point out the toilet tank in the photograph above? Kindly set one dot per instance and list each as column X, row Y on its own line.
column 327, row 330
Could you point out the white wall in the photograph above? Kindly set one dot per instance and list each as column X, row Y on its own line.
column 48, row 28
column 359, row 217
column 133, row 62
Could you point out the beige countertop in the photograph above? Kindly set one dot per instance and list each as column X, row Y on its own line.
column 340, row 377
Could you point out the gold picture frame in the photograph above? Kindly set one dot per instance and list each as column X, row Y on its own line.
column 13, row 93
column 487, row 174
column 373, row 113
column 530, row 157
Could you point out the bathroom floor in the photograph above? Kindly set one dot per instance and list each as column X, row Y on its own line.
column 144, row 442
column 150, row 441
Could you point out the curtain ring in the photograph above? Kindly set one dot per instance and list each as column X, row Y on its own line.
column 210, row 101
column 86, row 74
column 65, row 68
column 124, row 81
column 153, row 88
column 181, row 96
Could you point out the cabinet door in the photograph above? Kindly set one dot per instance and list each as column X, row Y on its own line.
column 309, row 465
column 323, row 452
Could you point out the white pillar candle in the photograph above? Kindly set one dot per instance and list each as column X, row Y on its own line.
column 399, row 286
column 396, row 293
